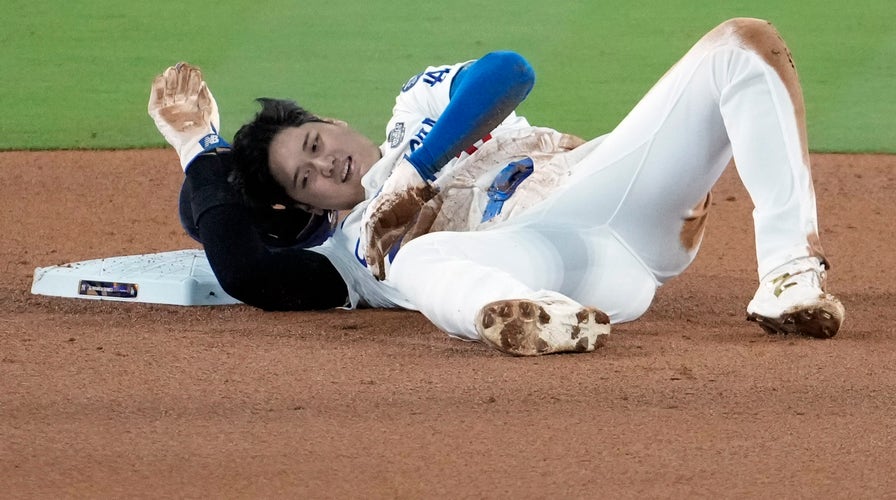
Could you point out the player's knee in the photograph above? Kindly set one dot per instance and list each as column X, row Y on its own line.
column 755, row 34
column 746, row 25
column 629, row 302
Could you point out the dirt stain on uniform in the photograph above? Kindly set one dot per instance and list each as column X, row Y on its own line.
column 695, row 224
column 762, row 37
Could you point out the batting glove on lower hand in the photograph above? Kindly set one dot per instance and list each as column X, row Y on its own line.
column 185, row 112
column 391, row 214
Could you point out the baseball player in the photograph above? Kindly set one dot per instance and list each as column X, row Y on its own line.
column 522, row 237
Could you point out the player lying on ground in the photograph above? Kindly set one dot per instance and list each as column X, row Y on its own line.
column 518, row 236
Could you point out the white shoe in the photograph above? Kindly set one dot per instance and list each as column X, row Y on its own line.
column 792, row 299
column 185, row 112
column 544, row 324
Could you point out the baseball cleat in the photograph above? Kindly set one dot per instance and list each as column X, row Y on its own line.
column 791, row 299
column 546, row 324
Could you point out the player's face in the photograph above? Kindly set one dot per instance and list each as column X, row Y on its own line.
column 320, row 164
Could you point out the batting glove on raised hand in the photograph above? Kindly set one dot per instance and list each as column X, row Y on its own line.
column 185, row 112
column 391, row 214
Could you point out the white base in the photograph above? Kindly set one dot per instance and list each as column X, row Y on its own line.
column 181, row 277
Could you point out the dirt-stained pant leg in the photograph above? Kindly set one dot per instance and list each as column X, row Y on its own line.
column 452, row 275
column 735, row 91
column 631, row 215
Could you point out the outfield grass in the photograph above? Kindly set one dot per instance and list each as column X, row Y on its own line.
column 77, row 74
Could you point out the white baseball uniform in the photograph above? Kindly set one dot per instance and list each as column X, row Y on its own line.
column 627, row 209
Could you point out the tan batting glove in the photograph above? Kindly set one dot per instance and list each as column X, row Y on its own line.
column 185, row 112
column 391, row 214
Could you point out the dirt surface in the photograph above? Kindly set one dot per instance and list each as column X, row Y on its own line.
column 104, row 399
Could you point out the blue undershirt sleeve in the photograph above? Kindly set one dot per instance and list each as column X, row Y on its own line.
column 482, row 95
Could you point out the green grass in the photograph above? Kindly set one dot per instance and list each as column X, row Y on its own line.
column 77, row 74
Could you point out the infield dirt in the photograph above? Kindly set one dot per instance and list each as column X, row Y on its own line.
column 105, row 399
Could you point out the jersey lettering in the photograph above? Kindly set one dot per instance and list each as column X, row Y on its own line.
column 437, row 76
column 421, row 134
column 358, row 256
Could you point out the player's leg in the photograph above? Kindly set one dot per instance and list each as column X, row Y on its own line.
column 735, row 91
column 721, row 97
column 510, row 286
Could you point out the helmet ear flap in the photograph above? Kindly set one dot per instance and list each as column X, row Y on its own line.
column 319, row 228
column 278, row 225
column 281, row 226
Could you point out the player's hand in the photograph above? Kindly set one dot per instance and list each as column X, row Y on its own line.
column 391, row 214
column 185, row 112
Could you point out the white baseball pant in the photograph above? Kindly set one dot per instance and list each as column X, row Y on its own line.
column 620, row 227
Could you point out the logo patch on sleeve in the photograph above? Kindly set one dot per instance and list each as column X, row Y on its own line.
column 396, row 135
column 410, row 83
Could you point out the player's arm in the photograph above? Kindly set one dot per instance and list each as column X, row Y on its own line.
column 186, row 114
column 290, row 278
column 482, row 95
